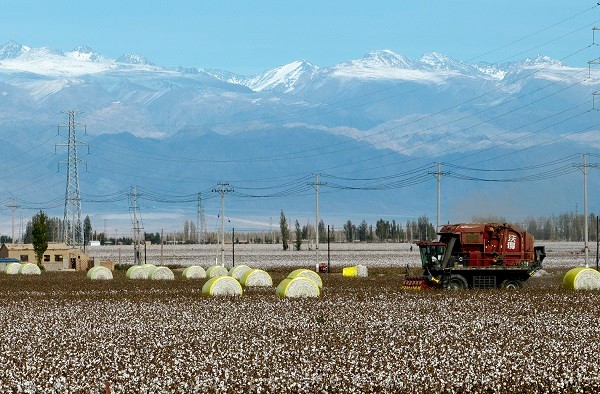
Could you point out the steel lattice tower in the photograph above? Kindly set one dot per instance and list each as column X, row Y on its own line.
column 73, row 226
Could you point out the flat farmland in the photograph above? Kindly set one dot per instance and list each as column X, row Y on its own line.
column 265, row 256
column 64, row 333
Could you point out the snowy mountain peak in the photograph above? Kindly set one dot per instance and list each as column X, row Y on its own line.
column 11, row 50
column 439, row 61
column 284, row 78
column 84, row 53
column 542, row 61
column 388, row 58
column 129, row 58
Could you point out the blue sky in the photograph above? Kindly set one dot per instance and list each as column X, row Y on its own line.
column 250, row 36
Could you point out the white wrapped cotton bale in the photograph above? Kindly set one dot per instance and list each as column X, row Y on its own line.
column 362, row 271
column 30, row 269
column 256, row 278
column 216, row 270
column 148, row 268
column 582, row 278
column 298, row 287
column 222, row 286
column 99, row 273
column 136, row 272
column 12, row 268
column 312, row 275
column 238, row 271
column 161, row 273
column 194, row 272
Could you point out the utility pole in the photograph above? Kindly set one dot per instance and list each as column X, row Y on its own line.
column 201, row 221
column 584, row 168
column 438, row 175
column 316, row 186
column 13, row 207
column 136, row 230
column 222, row 192
column 72, row 213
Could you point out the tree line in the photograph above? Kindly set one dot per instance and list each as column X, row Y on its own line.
column 566, row 226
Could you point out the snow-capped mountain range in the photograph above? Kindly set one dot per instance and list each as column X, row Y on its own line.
column 429, row 109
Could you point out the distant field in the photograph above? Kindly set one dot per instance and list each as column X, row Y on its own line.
column 560, row 254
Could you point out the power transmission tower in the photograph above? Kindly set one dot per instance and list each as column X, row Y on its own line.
column 201, row 221
column 316, row 186
column 584, row 168
column 73, row 231
column 222, row 191
column 13, row 207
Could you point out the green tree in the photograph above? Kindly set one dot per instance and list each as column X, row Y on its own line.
column 285, row 231
column 298, row 243
column 40, row 235
column 87, row 229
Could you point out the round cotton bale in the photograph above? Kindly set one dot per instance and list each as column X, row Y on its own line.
column 349, row 272
column 136, row 272
column 216, row 270
column 149, row 268
column 256, row 278
column 582, row 278
column 194, row 272
column 222, row 286
column 238, row 271
column 30, row 269
column 162, row 273
column 312, row 275
column 12, row 268
column 362, row 271
column 99, row 273
column 297, row 287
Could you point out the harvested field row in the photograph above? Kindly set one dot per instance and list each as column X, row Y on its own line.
column 64, row 333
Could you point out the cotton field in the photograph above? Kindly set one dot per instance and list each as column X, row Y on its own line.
column 65, row 333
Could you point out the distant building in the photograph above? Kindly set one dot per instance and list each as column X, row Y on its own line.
column 58, row 256
column 94, row 243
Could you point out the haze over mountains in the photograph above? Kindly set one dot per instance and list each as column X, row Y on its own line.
column 381, row 120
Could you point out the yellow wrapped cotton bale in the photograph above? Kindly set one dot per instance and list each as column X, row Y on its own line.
column 222, row 286
column 99, row 273
column 238, row 271
column 136, row 272
column 194, row 272
column 298, row 287
column 582, row 278
column 312, row 275
column 349, row 272
column 256, row 278
column 356, row 271
column 30, row 269
column 12, row 268
column 161, row 273
column 216, row 270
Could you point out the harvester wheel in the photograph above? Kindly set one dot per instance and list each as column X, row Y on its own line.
column 511, row 284
column 456, row 282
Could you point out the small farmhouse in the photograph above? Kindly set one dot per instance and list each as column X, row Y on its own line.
column 58, row 256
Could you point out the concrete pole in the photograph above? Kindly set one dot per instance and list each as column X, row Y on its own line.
column 585, row 218
column 439, row 181
column 317, row 220
column 222, row 224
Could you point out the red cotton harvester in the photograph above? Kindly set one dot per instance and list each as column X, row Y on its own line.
column 477, row 255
